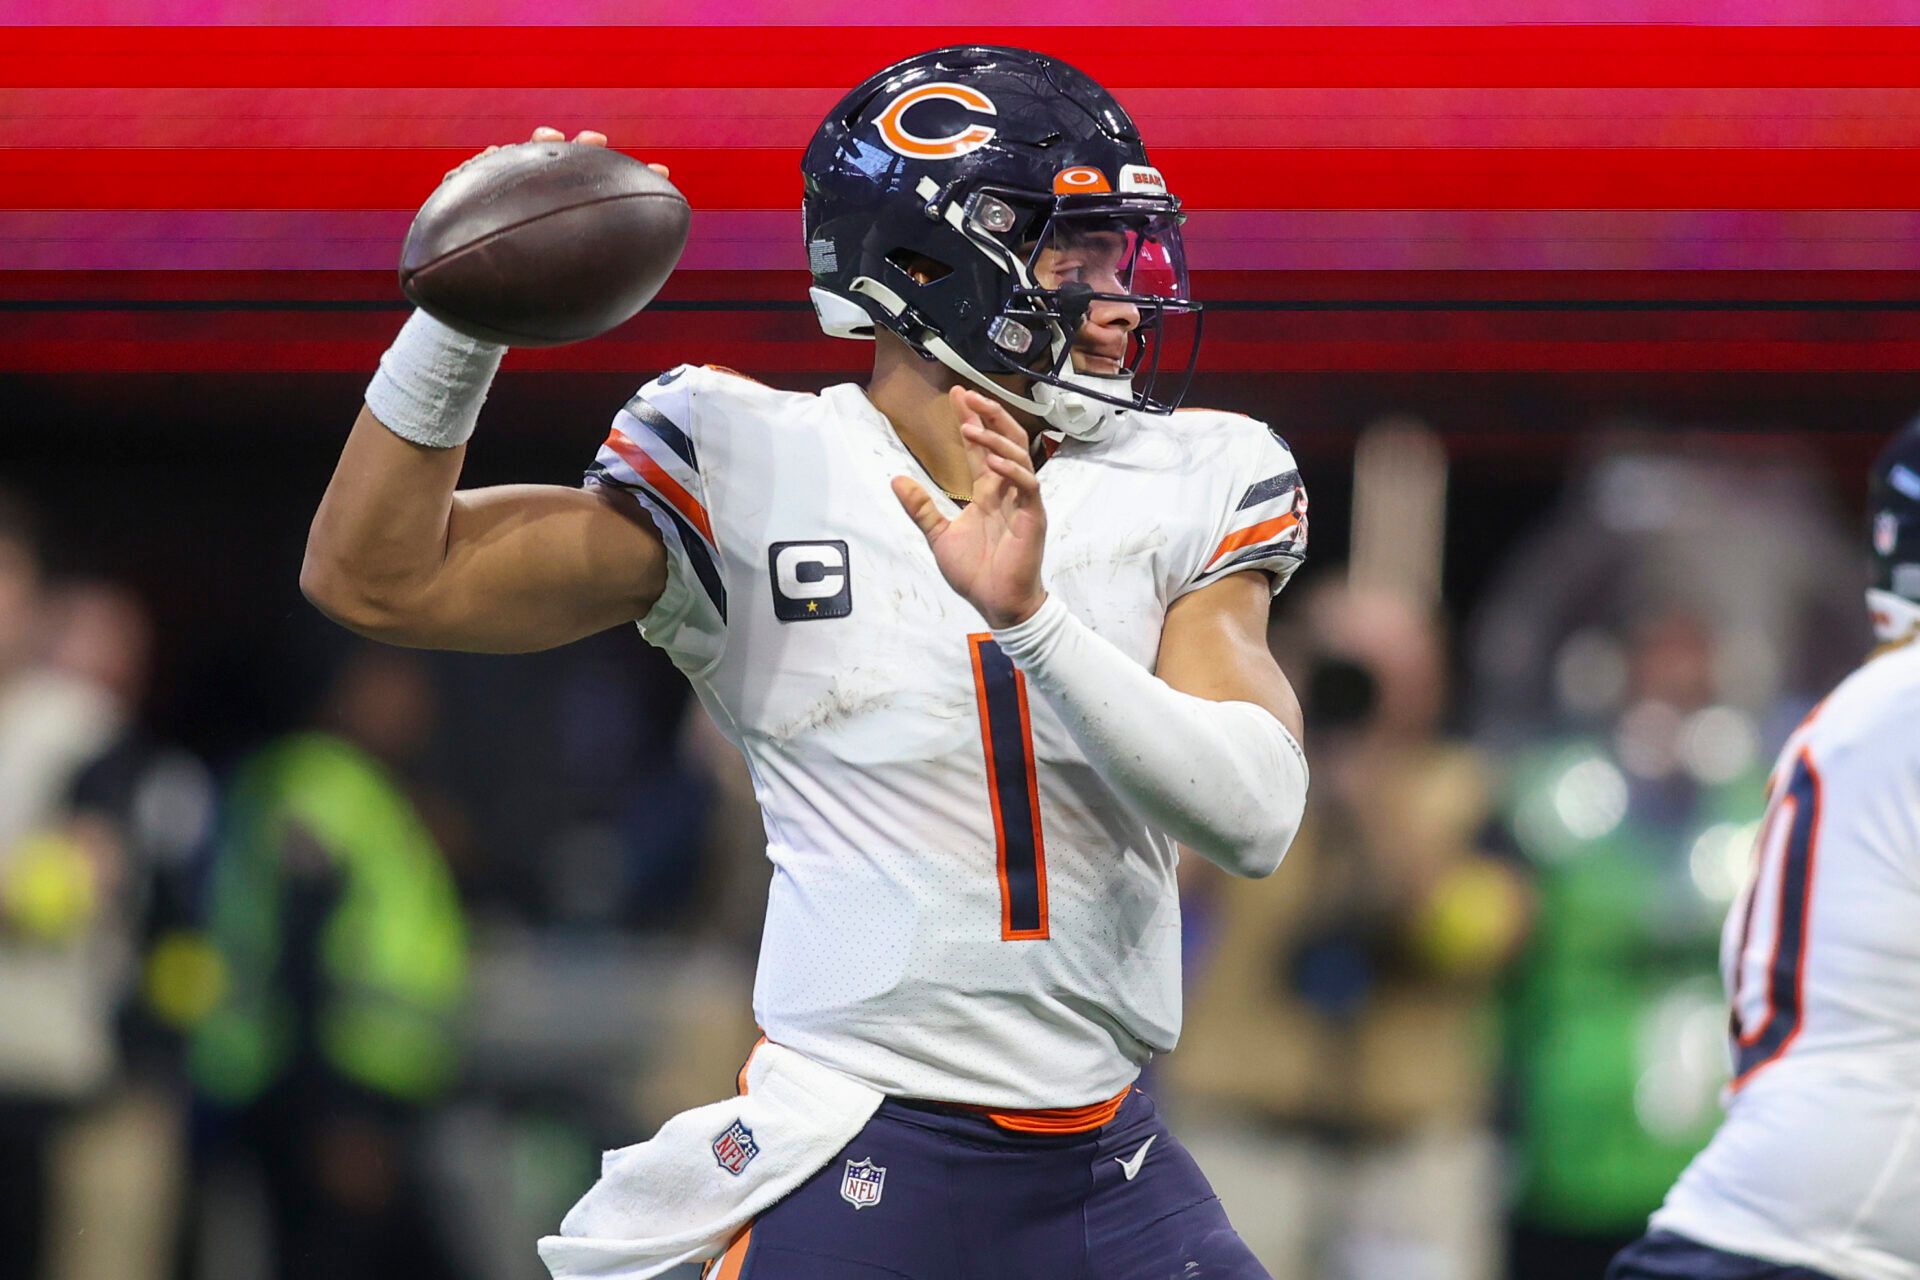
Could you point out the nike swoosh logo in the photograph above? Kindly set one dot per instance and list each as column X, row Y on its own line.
column 1131, row 1167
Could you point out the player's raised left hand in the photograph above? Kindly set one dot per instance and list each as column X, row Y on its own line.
column 990, row 553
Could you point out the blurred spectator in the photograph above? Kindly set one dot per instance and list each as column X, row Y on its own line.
column 1635, row 838
column 733, row 856
column 343, row 950
column 585, row 815
column 147, row 808
column 1633, row 660
column 142, row 812
column 1334, row 1072
column 55, row 984
column 1746, row 534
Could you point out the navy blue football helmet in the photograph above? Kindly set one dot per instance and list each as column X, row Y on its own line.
column 1893, row 535
column 935, row 188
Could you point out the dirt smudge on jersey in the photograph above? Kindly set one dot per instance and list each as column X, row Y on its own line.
column 855, row 694
column 1140, row 545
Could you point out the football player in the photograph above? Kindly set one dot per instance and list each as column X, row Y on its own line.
column 1815, row 1173
column 990, row 630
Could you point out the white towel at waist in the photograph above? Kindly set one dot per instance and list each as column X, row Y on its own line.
column 676, row 1197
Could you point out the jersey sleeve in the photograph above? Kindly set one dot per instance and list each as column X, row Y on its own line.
column 652, row 455
column 1261, row 516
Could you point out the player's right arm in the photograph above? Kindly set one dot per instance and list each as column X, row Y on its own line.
column 396, row 553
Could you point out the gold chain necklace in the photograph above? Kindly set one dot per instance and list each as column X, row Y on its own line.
column 960, row 498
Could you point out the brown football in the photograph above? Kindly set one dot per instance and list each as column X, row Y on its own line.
column 544, row 243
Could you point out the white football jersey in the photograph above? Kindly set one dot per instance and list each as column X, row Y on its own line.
column 1818, row 1161
column 960, row 909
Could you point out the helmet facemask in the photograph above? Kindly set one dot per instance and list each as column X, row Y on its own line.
column 1065, row 256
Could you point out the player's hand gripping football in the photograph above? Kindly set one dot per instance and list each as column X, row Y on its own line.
column 586, row 138
column 990, row 553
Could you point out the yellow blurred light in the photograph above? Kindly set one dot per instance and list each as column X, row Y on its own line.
column 185, row 979
column 48, row 890
column 1472, row 920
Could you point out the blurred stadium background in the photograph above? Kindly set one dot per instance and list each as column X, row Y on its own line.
column 1583, row 317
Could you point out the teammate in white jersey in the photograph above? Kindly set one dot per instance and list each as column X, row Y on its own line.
column 1815, row 1172
column 977, row 741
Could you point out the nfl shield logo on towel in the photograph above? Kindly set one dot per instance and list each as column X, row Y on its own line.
column 735, row 1149
column 862, row 1184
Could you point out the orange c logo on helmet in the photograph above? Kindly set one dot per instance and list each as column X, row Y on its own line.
column 894, row 132
column 1082, row 180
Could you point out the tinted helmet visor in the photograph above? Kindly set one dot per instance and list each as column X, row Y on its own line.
column 1118, row 261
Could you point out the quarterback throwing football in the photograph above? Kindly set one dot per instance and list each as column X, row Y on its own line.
column 990, row 631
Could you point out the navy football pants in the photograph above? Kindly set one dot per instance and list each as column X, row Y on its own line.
column 1665, row 1255
column 961, row 1199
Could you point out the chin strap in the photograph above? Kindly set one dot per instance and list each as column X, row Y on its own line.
column 1083, row 417
column 1076, row 416
column 1895, row 618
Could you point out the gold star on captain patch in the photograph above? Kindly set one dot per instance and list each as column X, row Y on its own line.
column 813, row 606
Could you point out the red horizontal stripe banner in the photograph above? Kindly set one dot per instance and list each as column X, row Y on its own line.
column 1227, row 331
column 643, row 119
column 744, row 287
column 1134, row 14
column 1320, row 358
column 788, row 343
column 1568, row 286
column 1571, row 56
column 755, row 288
column 1218, row 241
column 1465, row 178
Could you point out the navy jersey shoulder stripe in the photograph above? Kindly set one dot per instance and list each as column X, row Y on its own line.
column 1269, row 489
column 653, row 419
column 698, row 557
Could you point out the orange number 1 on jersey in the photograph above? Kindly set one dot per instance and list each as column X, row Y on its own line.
column 1006, row 735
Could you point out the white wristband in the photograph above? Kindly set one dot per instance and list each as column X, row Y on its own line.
column 432, row 382
column 1031, row 640
column 1225, row 779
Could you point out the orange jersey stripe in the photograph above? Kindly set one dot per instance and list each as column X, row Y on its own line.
column 740, row 1081
column 729, row 1264
column 1253, row 533
column 734, row 373
column 669, row 488
column 1056, row 1120
column 986, row 744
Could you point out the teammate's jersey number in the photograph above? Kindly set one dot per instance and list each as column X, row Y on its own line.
column 1006, row 735
column 1793, row 824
